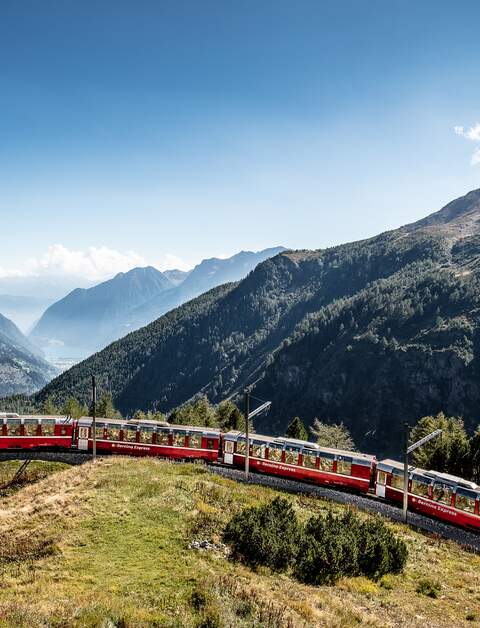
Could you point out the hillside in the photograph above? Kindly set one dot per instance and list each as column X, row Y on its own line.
column 87, row 320
column 205, row 276
column 22, row 369
column 108, row 544
column 373, row 333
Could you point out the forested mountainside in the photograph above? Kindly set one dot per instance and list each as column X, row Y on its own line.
column 22, row 369
column 86, row 320
column 373, row 333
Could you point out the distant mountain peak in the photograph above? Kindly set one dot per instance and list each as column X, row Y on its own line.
column 461, row 214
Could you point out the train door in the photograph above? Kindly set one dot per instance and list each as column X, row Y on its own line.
column 381, row 483
column 83, row 438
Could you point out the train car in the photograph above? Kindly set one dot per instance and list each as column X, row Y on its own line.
column 32, row 432
column 439, row 495
column 148, row 438
column 300, row 460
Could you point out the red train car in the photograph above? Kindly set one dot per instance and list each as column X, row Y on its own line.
column 149, row 438
column 301, row 460
column 32, row 432
column 439, row 495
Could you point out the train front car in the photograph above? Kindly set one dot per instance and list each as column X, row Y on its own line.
column 35, row 432
column 440, row 495
column 300, row 460
column 149, row 438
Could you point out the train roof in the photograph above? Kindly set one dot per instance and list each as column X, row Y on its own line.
column 87, row 421
column 295, row 442
column 35, row 417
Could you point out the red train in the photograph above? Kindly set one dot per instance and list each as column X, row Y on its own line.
column 440, row 495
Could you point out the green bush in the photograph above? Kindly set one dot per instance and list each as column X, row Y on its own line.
column 427, row 587
column 266, row 535
column 337, row 547
column 326, row 549
column 380, row 551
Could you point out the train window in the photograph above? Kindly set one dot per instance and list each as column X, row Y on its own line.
column 163, row 438
column 420, row 487
column 381, row 478
column 48, row 427
column 130, row 434
column 397, row 481
column 464, row 500
column 146, row 435
column 442, row 493
column 229, row 446
column 241, row 447
column 14, row 427
column 344, row 466
column 325, row 463
column 291, row 456
column 275, row 453
column 211, row 443
column 99, row 432
column 30, row 428
column 178, row 439
column 309, row 459
column 112, row 432
column 195, row 440
column 258, row 450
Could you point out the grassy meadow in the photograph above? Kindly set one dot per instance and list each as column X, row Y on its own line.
column 108, row 545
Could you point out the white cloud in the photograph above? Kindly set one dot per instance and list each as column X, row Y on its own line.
column 475, row 157
column 171, row 262
column 93, row 264
column 473, row 135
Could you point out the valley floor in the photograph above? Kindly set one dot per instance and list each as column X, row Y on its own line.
column 109, row 545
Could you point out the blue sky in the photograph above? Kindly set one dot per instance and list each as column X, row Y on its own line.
column 166, row 132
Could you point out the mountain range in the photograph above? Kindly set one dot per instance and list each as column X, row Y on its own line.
column 22, row 368
column 86, row 320
column 371, row 333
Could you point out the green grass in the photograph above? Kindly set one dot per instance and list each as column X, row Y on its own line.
column 108, row 545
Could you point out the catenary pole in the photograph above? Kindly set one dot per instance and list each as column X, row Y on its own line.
column 247, row 431
column 94, row 422
column 408, row 450
column 405, row 473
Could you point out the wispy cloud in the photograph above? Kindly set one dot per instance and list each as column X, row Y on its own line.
column 94, row 263
column 473, row 135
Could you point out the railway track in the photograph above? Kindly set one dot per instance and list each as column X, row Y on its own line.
column 366, row 503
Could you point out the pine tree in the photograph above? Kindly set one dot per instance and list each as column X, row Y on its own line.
column 105, row 407
column 229, row 416
column 297, row 429
column 49, row 407
column 73, row 409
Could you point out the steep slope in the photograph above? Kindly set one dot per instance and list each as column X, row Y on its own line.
column 91, row 318
column 206, row 275
column 22, row 369
column 372, row 333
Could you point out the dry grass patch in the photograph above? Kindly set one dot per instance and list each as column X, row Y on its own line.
column 108, row 545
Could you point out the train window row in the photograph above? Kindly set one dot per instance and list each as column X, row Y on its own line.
column 438, row 491
column 15, row 427
column 291, row 455
column 148, row 435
